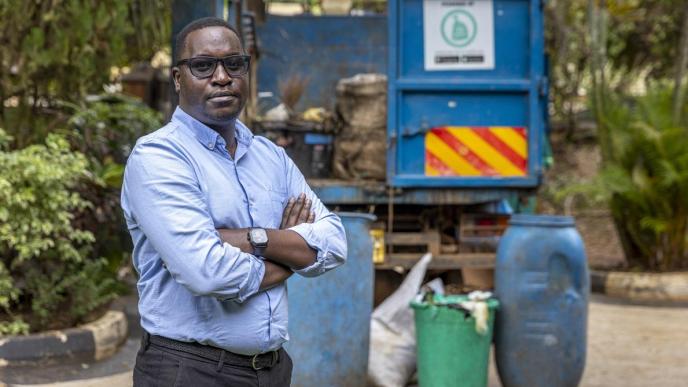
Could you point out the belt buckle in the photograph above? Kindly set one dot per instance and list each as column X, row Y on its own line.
column 275, row 357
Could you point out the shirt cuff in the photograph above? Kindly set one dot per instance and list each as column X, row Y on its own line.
column 305, row 230
column 252, row 283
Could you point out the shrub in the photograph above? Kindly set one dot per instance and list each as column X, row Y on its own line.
column 104, row 128
column 645, row 176
column 56, row 51
column 46, row 277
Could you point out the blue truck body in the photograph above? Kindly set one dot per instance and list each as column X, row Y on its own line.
column 324, row 49
column 506, row 97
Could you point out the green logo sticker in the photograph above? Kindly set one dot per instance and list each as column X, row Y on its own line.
column 458, row 28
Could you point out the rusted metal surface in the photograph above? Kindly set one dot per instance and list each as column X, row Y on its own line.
column 441, row 261
column 329, row 315
column 332, row 191
column 322, row 49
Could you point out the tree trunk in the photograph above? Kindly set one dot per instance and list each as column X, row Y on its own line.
column 681, row 63
column 598, row 58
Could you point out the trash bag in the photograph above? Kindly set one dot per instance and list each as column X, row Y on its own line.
column 392, row 358
column 360, row 144
column 360, row 156
column 362, row 101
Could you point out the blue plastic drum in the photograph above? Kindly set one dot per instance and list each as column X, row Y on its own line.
column 543, row 285
column 329, row 315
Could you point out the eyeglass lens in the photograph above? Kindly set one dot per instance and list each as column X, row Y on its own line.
column 204, row 67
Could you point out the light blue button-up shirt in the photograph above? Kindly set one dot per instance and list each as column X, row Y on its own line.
column 180, row 185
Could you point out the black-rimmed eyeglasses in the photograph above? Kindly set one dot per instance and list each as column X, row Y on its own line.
column 204, row 66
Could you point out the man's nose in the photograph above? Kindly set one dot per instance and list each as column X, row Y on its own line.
column 221, row 75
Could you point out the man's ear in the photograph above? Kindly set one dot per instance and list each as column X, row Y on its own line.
column 175, row 77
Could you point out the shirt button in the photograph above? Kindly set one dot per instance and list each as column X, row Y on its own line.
column 210, row 145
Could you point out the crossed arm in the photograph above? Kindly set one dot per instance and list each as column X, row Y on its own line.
column 169, row 215
column 286, row 249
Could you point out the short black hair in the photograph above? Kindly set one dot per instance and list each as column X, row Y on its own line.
column 180, row 40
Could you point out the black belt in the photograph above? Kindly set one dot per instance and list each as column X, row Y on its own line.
column 257, row 362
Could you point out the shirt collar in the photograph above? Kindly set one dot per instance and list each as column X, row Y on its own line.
column 207, row 136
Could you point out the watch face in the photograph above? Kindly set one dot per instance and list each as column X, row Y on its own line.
column 259, row 236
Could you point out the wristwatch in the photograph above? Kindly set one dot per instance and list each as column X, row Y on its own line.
column 258, row 238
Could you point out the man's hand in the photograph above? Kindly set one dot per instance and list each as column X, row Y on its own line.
column 275, row 274
column 285, row 247
column 296, row 212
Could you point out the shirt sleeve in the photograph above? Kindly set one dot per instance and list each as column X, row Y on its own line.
column 326, row 234
column 162, row 196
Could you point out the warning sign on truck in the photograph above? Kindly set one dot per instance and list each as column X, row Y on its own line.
column 458, row 35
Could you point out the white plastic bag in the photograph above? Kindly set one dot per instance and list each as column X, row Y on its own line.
column 392, row 358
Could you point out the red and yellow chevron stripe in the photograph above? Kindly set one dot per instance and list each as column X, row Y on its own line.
column 476, row 151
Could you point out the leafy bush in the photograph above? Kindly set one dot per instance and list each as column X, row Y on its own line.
column 58, row 209
column 645, row 176
column 56, row 51
column 104, row 128
column 46, row 278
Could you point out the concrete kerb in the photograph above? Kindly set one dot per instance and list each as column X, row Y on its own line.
column 659, row 288
column 93, row 341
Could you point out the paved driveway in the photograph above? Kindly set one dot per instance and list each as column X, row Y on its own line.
column 628, row 346
column 633, row 346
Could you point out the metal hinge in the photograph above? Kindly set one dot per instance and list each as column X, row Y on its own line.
column 423, row 128
column 543, row 86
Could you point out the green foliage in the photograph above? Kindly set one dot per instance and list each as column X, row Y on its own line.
column 46, row 278
column 36, row 202
column 643, row 34
column 62, row 50
column 104, row 128
column 59, row 209
column 16, row 327
column 645, row 176
column 640, row 38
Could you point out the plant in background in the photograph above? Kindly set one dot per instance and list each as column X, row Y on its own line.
column 60, row 209
column 63, row 50
column 645, row 177
column 643, row 142
column 47, row 277
column 639, row 40
column 104, row 128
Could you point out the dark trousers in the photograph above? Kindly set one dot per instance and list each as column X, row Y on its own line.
column 164, row 367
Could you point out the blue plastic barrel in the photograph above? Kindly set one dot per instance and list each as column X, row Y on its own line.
column 542, row 282
column 329, row 316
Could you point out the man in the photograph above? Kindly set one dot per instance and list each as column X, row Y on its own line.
column 219, row 219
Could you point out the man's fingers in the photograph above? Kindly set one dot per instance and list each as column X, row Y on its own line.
column 287, row 212
column 298, row 211
column 294, row 216
column 305, row 211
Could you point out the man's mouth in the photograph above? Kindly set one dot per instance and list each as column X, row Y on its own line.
column 222, row 97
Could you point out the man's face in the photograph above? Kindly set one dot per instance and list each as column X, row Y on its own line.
column 218, row 99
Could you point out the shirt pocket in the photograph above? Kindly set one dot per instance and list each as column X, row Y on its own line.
column 278, row 200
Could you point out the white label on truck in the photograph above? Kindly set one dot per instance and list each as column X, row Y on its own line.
column 458, row 34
